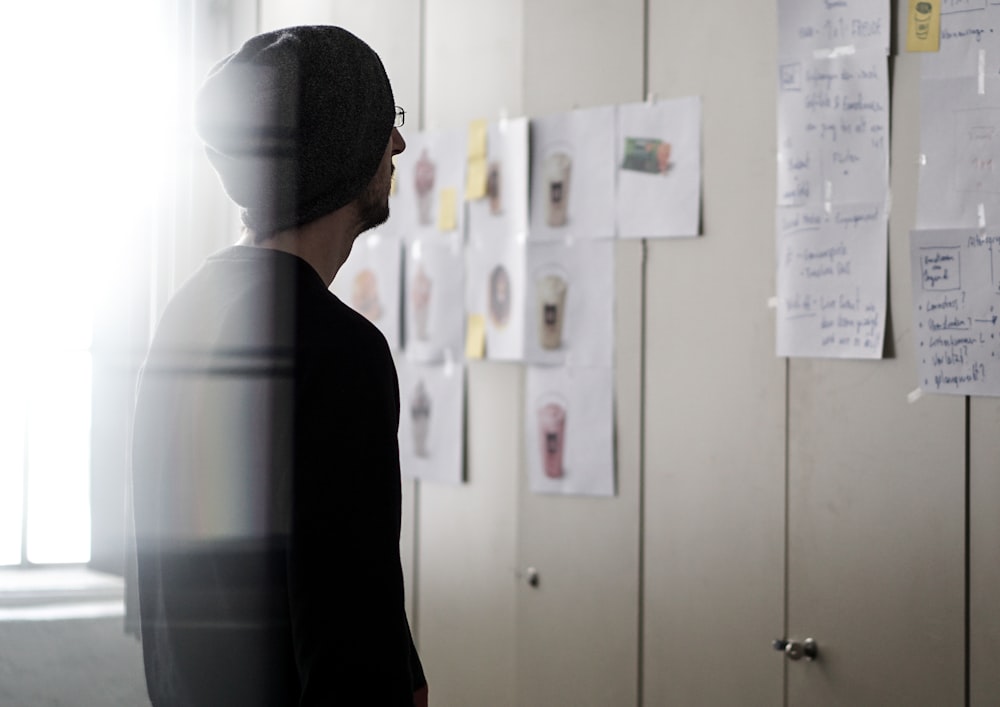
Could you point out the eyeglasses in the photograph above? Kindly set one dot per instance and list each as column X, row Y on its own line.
column 400, row 117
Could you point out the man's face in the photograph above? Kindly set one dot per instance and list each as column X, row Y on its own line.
column 373, row 204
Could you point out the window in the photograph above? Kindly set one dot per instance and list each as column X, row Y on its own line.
column 81, row 157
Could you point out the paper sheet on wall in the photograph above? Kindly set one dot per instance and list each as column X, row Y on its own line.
column 833, row 130
column 569, row 303
column 831, row 281
column 569, row 430
column 435, row 287
column 503, row 213
column 495, row 291
column 960, row 121
column 429, row 177
column 431, row 434
column 659, row 168
column 369, row 282
column 573, row 175
column 956, row 303
column 833, row 177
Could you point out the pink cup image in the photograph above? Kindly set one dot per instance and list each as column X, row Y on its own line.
column 420, row 298
column 420, row 417
column 423, row 179
column 556, row 180
column 364, row 295
column 552, row 438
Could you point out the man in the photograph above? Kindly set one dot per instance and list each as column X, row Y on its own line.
column 266, row 485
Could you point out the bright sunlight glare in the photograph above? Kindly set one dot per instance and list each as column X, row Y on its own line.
column 88, row 101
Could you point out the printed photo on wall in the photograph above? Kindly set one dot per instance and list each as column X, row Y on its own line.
column 569, row 303
column 573, row 175
column 503, row 212
column 434, row 290
column 568, row 428
column 431, row 434
column 659, row 163
column 369, row 282
column 495, row 290
column 428, row 184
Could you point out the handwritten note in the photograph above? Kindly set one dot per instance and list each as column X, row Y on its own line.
column 833, row 130
column 833, row 177
column 833, row 105
column 831, row 281
column 824, row 27
column 960, row 120
column 956, row 302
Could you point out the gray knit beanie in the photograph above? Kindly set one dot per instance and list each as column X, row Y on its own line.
column 296, row 122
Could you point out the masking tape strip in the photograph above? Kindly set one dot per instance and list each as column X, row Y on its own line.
column 914, row 395
column 922, row 161
column 982, row 216
column 772, row 302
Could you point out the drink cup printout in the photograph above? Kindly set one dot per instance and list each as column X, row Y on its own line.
column 431, row 439
column 569, row 427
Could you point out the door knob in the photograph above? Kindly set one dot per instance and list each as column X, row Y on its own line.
column 797, row 650
column 531, row 575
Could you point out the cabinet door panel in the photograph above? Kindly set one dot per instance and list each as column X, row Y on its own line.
column 876, row 520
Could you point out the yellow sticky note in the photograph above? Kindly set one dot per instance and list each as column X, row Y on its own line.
column 477, row 139
column 923, row 26
column 448, row 210
column 475, row 337
column 475, row 178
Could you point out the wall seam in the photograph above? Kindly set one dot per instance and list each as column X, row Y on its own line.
column 787, row 533
column 968, row 551
column 643, row 280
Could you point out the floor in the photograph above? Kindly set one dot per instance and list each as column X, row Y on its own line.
column 62, row 641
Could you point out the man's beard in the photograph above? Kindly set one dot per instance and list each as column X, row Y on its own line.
column 373, row 205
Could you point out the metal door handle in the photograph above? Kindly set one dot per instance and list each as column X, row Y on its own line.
column 797, row 650
column 531, row 575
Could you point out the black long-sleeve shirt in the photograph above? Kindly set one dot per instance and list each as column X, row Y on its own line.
column 266, row 494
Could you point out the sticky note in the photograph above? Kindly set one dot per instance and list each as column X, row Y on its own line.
column 448, row 210
column 475, row 337
column 923, row 26
column 477, row 139
column 476, row 178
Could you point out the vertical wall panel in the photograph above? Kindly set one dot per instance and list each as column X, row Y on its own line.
column 877, row 499
column 578, row 630
column 466, row 534
column 715, row 392
column 581, row 53
column 984, row 551
column 473, row 64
